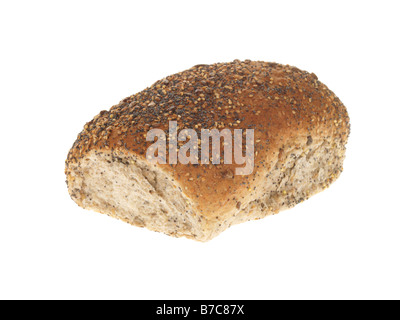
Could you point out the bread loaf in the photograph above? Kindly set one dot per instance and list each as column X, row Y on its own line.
column 300, row 130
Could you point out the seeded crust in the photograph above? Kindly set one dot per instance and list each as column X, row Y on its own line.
column 300, row 130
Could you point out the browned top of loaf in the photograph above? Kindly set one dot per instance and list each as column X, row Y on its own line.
column 279, row 102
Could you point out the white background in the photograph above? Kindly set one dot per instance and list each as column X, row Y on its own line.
column 64, row 61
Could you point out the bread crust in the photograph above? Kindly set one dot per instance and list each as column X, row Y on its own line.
column 284, row 105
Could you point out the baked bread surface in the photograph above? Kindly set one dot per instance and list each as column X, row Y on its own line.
column 300, row 132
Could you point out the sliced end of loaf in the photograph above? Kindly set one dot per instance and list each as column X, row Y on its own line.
column 136, row 192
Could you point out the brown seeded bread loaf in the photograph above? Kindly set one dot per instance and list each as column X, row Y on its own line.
column 300, row 132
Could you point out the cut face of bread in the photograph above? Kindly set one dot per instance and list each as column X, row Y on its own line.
column 136, row 192
column 143, row 195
